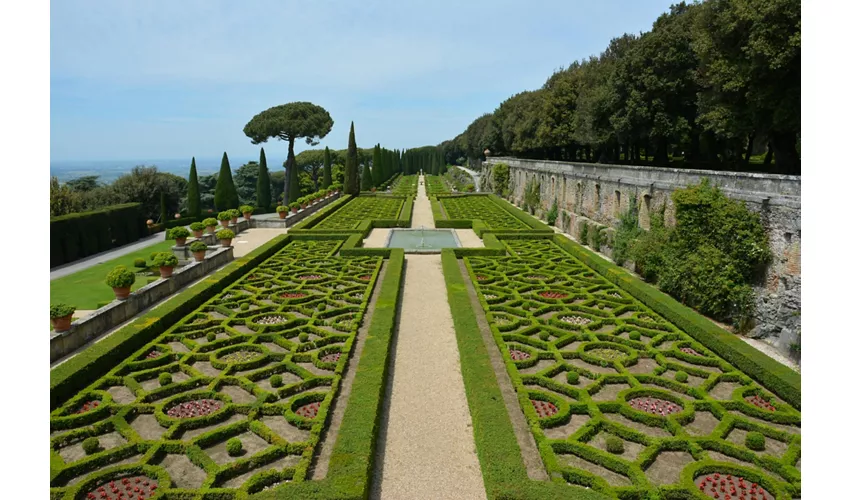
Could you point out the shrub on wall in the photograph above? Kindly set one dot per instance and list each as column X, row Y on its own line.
column 501, row 178
column 552, row 214
column 627, row 231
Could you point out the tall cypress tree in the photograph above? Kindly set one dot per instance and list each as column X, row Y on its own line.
column 264, row 185
column 194, row 196
column 367, row 182
column 163, row 208
column 326, row 169
column 377, row 166
column 225, row 190
column 352, row 180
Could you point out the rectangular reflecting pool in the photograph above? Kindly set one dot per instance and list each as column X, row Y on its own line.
column 422, row 240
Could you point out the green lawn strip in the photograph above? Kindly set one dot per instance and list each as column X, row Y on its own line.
column 87, row 288
column 504, row 472
column 99, row 358
column 775, row 376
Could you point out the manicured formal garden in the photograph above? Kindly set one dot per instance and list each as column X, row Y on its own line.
column 482, row 208
column 435, row 184
column 405, row 185
column 231, row 399
column 621, row 400
column 367, row 207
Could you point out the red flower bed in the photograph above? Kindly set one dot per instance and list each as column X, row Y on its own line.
column 153, row 355
column 760, row 402
column 519, row 355
column 291, row 295
column 331, row 358
column 544, row 408
column 196, row 408
column 688, row 350
column 310, row 277
column 310, row 410
column 655, row 406
column 553, row 295
column 127, row 488
column 728, row 487
column 481, row 277
column 87, row 406
column 365, row 277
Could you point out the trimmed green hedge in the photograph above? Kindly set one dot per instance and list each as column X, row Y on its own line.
column 532, row 222
column 79, row 235
column 785, row 382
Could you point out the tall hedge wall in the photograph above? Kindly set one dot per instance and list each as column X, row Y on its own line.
column 79, row 235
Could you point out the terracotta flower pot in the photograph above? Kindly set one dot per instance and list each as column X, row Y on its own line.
column 200, row 234
column 180, row 242
column 166, row 271
column 199, row 256
column 282, row 215
column 210, row 229
column 225, row 223
column 234, row 220
column 295, row 210
column 121, row 293
column 62, row 324
column 247, row 215
column 226, row 243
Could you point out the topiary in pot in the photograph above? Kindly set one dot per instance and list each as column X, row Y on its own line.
column 197, row 229
column 165, row 379
column 226, row 237
column 282, row 211
column 276, row 380
column 61, row 316
column 166, row 262
column 121, row 280
column 179, row 235
column 294, row 207
column 224, row 218
column 91, row 445
column 234, row 215
column 198, row 249
column 234, row 447
column 246, row 210
column 755, row 441
column 210, row 223
column 614, row 444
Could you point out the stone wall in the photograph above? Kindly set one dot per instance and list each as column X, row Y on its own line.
column 601, row 193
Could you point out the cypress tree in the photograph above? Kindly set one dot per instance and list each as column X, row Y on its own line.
column 293, row 187
column 377, row 166
column 352, row 181
column 194, row 196
column 264, row 185
column 163, row 209
column 225, row 191
column 326, row 170
column 367, row 183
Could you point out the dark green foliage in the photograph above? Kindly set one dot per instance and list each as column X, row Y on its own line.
column 572, row 378
column 211, row 337
column 120, row 277
column 276, row 380
column 326, row 170
column 614, row 444
column 627, row 231
column 352, row 178
column 79, row 235
column 367, row 183
column 198, row 246
column 225, row 191
column 681, row 377
column 303, row 337
column 377, row 171
column 634, row 335
column 91, row 445
column 193, row 199
column 582, row 232
column 234, row 447
column 244, row 306
column 755, row 441
column 163, row 208
column 140, row 263
column 165, row 379
column 264, row 194
column 552, row 214
column 61, row 310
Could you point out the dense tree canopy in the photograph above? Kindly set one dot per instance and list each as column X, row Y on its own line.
column 708, row 83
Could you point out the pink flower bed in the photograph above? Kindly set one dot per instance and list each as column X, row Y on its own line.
column 195, row 408
column 519, row 355
column 688, row 350
column 553, row 295
column 88, row 406
column 365, row 277
column 292, row 295
column 655, row 406
column 310, row 410
column 331, row 358
column 127, row 488
column 760, row 402
column 728, row 487
column 544, row 408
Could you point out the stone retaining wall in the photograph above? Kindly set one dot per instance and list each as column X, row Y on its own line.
column 292, row 219
column 116, row 312
column 599, row 193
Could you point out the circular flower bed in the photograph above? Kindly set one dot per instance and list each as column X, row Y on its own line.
column 655, row 406
column 88, row 406
column 240, row 356
column 292, row 295
column 519, row 355
column 544, row 408
column 270, row 320
column 330, row 358
column 688, row 350
column 310, row 410
column 195, row 408
column 153, row 355
column 728, row 487
column 576, row 320
column 553, row 295
column 608, row 354
column 365, row 277
column 760, row 402
column 130, row 488
column 310, row 277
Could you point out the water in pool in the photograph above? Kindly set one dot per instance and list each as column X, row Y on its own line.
column 422, row 239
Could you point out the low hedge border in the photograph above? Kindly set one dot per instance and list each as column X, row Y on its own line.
column 531, row 221
column 505, row 475
column 783, row 381
column 95, row 361
column 322, row 214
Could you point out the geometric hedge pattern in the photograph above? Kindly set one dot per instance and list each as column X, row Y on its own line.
column 434, row 184
column 260, row 362
column 406, row 185
column 595, row 370
column 353, row 213
column 483, row 208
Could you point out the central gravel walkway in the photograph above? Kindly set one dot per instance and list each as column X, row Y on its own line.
column 427, row 450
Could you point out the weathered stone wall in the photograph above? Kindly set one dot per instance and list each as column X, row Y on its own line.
column 601, row 193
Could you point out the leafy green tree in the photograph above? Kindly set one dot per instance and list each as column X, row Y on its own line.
column 225, row 191
column 144, row 185
column 245, row 179
column 193, row 198
column 352, row 180
column 289, row 122
column 326, row 169
column 264, row 195
column 84, row 183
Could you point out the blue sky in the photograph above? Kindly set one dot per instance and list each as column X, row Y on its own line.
column 166, row 79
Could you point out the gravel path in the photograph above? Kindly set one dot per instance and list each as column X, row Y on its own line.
column 427, row 448
column 422, row 215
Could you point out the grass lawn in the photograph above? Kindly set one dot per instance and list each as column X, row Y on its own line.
column 86, row 288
